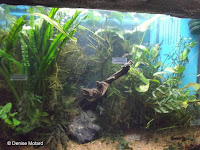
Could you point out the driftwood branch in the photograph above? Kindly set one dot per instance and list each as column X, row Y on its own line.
column 99, row 91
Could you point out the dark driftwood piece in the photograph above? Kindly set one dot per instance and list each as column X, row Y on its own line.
column 95, row 94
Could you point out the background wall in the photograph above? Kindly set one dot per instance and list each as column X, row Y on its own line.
column 168, row 31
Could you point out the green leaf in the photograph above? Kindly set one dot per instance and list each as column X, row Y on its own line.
column 3, row 115
column 179, row 69
column 184, row 104
column 157, row 110
column 137, row 64
column 48, row 32
column 13, row 114
column 148, row 124
column 192, row 44
column 16, row 122
column 143, row 79
column 44, row 114
column 59, row 40
column 163, row 110
column 13, row 34
column 144, row 48
column 118, row 16
column 154, row 52
column 157, row 64
column 184, row 54
column 142, row 88
column 196, row 86
column 10, row 58
column 159, row 73
column 156, row 81
column 170, row 69
column 7, row 107
column 8, row 121
column 52, row 22
column 31, row 17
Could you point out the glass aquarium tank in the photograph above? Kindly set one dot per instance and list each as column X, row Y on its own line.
column 99, row 80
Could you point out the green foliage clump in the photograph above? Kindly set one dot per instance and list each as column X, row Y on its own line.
column 37, row 99
column 150, row 93
column 7, row 116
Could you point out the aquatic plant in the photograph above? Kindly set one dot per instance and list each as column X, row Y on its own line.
column 7, row 116
column 8, row 61
column 39, row 46
column 151, row 91
column 5, row 15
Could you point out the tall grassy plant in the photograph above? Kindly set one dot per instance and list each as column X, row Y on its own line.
column 8, row 59
column 40, row 45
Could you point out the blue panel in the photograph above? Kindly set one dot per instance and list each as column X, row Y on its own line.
column 191, row 68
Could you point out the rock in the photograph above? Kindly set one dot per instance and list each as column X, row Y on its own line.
column 83, row 128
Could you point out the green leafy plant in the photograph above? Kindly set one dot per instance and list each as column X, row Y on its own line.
column 151, row 90
column 8, row 117
column 40, row 43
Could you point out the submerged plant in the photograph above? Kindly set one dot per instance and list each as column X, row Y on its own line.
column 40, row 42
column 151, row 91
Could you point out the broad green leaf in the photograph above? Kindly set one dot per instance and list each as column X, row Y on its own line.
column 170, row 69
column 154, row 52
column 171, row 81
column 44, row 114
column 184, row 54
column 144, row 48
column 134, row 50
column 145, row 25
column 156, row 81
column 157, row 64
column 94, row 17
column 7, row 107
column 8, row 121
column 159, row 73
column 118, row 16
column 184, row 104
column 192, row 44
column 196, row 86
column 142, row 88
column 3, row 115
column 15, row 122
column 143, row 79
column 163, row 110
column 138, row 54
column 157, row 110
column 179, row 69
column 137, row 63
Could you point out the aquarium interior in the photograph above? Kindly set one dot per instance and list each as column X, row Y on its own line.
column 55, row 69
